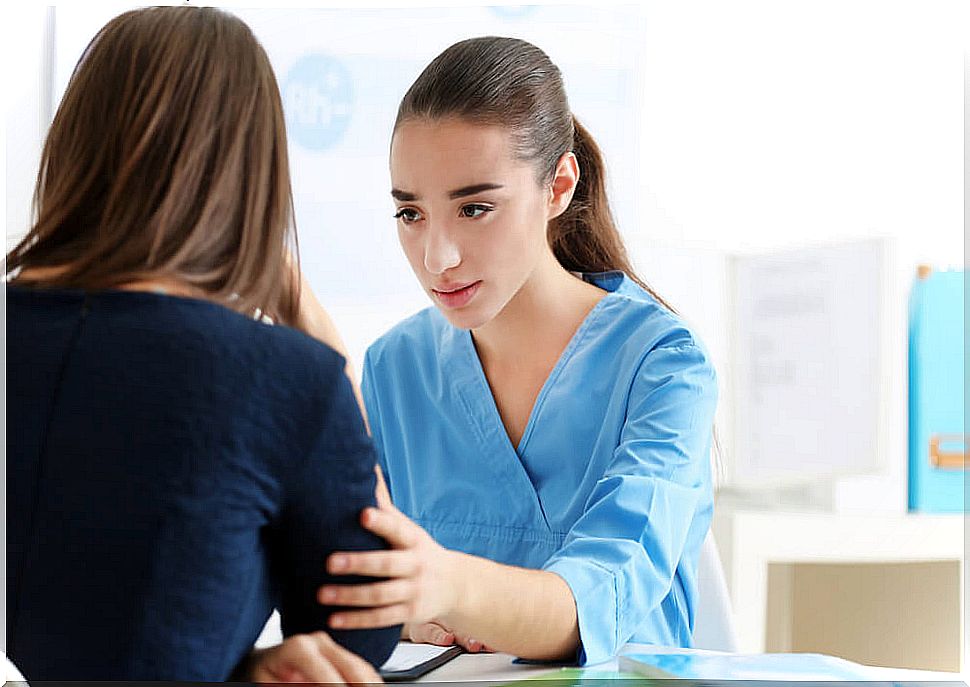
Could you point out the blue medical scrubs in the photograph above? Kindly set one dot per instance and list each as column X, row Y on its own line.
column 610, row 486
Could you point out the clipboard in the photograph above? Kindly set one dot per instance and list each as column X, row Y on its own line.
column 410, row 661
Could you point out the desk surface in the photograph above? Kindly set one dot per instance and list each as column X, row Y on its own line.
column 500, row 668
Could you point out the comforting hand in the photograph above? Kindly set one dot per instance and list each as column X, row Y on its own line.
column 420, row 574
column 438, row 634
column 309, row 658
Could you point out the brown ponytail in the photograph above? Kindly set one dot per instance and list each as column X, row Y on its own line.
column 512, row 83
column 585, row 238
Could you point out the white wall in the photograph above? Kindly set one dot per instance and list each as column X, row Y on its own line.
column 762, row 124
column 26, row 59
column 772, row 123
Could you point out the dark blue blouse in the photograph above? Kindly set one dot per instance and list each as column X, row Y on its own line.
column 174, row 471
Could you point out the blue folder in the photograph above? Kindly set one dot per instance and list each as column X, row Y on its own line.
column 937, row 438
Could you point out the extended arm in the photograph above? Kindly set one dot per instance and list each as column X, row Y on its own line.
column 529, row 613
column 618, row 562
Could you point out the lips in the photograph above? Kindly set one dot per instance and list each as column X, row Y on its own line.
column 454, row 296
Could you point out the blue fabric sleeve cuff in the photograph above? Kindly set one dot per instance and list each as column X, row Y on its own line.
column 594, row 591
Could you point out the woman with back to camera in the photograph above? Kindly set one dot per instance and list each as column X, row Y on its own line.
column 176, row 467
column 545, row 429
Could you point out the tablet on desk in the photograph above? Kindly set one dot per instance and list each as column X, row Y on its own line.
column 410, row 661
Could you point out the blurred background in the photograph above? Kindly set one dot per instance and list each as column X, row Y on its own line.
column 779, row 171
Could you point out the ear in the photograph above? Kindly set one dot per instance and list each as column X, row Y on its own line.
column 564, row 183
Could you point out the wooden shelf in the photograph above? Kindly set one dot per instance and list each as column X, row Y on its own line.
column 773, row 560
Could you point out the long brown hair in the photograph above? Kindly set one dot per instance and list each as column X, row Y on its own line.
column 167, row 158
column 512, row 83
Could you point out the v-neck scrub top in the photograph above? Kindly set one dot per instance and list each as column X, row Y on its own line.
column 610, row 486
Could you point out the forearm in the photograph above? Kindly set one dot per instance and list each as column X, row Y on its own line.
column 528, row 613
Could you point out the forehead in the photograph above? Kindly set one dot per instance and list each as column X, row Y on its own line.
column 428, row 156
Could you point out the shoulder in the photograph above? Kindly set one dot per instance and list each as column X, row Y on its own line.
column 286, row 348
column 287, row 390
column 647, row 322
column 241, row 342
column 655, row 346
column 413, row 341
column 260, row 383
column 270, row 363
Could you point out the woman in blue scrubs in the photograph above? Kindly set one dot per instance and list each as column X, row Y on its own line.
column 545, row 429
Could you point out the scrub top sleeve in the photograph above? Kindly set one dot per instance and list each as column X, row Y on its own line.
column 321, row 515
column 373, row 414
column 620, row 557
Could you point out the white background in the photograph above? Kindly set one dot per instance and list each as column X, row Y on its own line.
column 752, row 126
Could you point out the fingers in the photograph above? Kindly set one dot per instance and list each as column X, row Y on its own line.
column 391, row 525
column 377, row 594
column 301, row 656
column 433, row 633
column 287, row 674
column 313, row 663
column 430, row 633
column 312, row 657
column 372, row 618
column 469, row 644
column 373, row 564
column 352, row 667
column 382, row 493
column 263, row 674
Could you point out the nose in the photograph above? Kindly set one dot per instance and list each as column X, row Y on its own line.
column 440, row 250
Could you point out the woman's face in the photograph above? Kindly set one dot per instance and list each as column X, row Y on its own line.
column 471, row 218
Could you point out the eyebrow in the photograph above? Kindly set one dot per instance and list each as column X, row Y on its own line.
column 472, row 190
column 406, row 196
column 402, row 196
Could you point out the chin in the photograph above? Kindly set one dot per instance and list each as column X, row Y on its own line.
column 465, row 318
column 472, row 316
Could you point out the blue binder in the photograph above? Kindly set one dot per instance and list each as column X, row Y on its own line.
column 937, row 438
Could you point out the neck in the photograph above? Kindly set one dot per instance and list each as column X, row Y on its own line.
column 541, row 317
column 168, row 286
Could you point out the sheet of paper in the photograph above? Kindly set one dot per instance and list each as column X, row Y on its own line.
column 810, row 362
column 407, row 655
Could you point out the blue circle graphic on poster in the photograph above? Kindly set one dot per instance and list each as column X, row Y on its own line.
column 513, row 11
column 318, row 101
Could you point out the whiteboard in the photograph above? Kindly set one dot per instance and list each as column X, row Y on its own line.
column 811, row 363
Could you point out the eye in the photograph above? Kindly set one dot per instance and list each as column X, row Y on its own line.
column 474, row 210
column 407, row 215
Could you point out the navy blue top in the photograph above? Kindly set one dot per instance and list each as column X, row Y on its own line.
column 175, row 470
